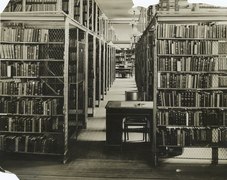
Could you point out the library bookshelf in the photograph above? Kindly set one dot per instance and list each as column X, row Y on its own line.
column 43, row 79
column 188, row 74
column 48, row 62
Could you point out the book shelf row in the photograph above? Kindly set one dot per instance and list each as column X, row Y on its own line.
column 31, row 124
column 192, row 99
column 33, row 5
column 86, row 12
column 192, row 47
column 198, row 118
column 31, row 87
column 13, row 51
column 211, row 30
column 182, row 57
column 30, row 106
column 206, row 80
column 181, row 64
column 18, row 33
column 44, row 65
column 20, row 69
column 30, row 143
column 192, row 137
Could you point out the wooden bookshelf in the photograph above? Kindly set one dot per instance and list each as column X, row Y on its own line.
column 47, row 50
column 37, row 86
column 187, row 57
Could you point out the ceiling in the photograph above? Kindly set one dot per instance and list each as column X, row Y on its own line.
column 120, row 18
column 115, row 9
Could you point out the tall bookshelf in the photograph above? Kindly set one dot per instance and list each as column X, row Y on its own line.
column 98, row 72
column 43, row 65
column 144, row 65
column 46, row 60
column 86, row 12
column 91, row 75
column 189, row 81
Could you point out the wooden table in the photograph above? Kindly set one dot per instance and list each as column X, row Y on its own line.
column 116, row 111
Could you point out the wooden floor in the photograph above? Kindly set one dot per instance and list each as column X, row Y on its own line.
column 91, row 159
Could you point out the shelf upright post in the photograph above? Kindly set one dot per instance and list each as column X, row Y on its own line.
column 59, row 5
column 88, row 13
column 71, row 8
column 86, row 78
column 81, row 11
column 106, row 65
column 94, row 68
column 147, row 67
column 154, row 148
column 77, row 70
column 66, row 90
column 105, row 28
column 96, row 18
column 23, row 5
column 99, row 68
column 92, row 14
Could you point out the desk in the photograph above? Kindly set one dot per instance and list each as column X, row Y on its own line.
column 117, row 110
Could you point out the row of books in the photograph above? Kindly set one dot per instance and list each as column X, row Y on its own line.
column 30, row 87
column 189, row 137
column 28, row 143
column 13, row 51
column 192, row 118
column 32, row 5
column 192, row 99
column 20, row 34
column 170, row 80
column 29, row 124
column 31, row 106
column 189, row 47
column 20, row 69
column 192, row 64
column 192, row 31
column 41, row 7
column 26, row 69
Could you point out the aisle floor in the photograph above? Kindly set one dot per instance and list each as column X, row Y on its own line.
column 91, row 159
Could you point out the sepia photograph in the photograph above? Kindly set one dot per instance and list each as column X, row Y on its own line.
column 113, row 90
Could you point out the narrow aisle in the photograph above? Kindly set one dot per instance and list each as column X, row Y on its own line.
column 96, row 125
